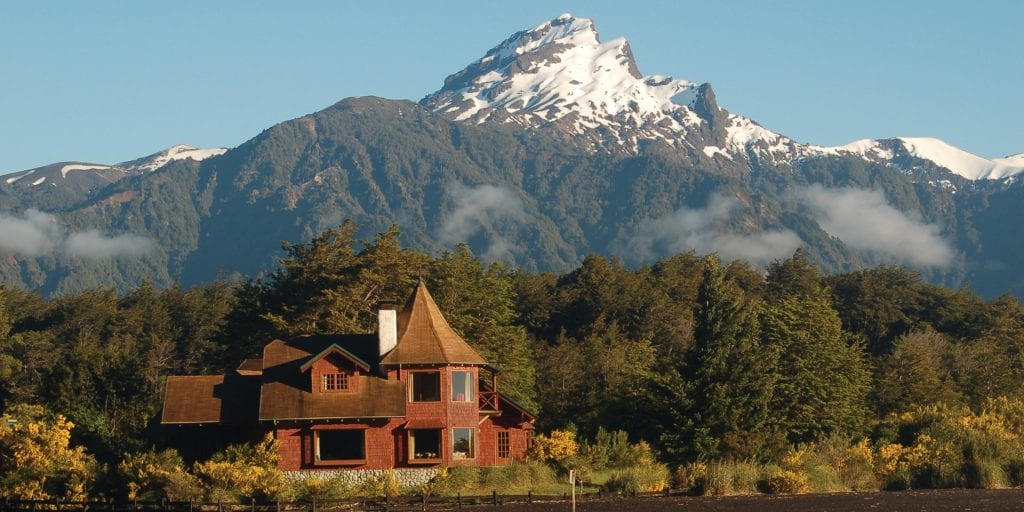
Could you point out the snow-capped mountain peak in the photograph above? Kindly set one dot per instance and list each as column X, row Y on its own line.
column 939, row 153
column 561, row 71
column 560, row 76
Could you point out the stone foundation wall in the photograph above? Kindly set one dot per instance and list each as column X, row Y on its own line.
column 407, row 477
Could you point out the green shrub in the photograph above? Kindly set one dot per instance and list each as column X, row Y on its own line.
column 745, row 477
column 718, row 479
column 984, row 475
column 319, row 489
column 691, row 477
column 382, row 485
column 652, row 477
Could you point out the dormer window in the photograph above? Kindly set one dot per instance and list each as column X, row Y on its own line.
column 334, row 382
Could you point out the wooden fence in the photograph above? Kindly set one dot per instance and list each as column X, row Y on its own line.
column 400, row 504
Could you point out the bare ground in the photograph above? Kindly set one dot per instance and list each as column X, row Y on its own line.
column 947, row 500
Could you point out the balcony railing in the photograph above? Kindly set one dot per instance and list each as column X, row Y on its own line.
column 489, row 401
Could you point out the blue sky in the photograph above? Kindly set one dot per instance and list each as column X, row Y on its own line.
column 110, row 81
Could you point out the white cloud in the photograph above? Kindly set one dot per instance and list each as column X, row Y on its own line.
column 94, row 245
column 39, row 234
column 476, row 207
column 34, row 234
column 864, row 220
column 704, row 231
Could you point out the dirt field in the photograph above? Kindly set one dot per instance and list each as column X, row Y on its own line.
column 955, row 500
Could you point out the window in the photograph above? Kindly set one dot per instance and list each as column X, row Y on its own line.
column 504, row 447
column 463, row 445
column 341, row 445
column 426, row 387
column 424, row 444
column 334, row 382
column 462, row 386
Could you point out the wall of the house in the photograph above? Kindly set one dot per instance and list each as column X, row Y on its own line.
column 298, row 450
column 387, row 439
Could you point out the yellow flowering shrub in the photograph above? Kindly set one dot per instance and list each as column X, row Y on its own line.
column 560, row 445
column 37, row 461
column 243, row 471
column 787, row 482
column 157, row 475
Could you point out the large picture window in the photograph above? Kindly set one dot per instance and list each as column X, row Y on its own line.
column 462, row 386
column 424, row 444
column 463, row 443
column 341, row 445
column 426, row 387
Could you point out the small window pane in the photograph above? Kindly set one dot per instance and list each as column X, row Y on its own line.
column 462, row 443
column 426, row 387
column 462, row 386
column 335, row 382
column 340, row 445
column 425, row 444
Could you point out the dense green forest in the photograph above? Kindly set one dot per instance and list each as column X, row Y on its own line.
column 702, row 360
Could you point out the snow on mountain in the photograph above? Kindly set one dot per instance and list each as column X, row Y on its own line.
column 560, row 75
column 90, row 175
column 956, row 160
column 177, row 152
column 64, row 170
column 1012, row 160
column 561, row 70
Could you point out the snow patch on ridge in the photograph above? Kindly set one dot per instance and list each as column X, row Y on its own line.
column 13, row 179
column 177, row 152
column 80, row 167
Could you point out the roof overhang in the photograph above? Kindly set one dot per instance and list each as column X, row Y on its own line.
column 336, row 349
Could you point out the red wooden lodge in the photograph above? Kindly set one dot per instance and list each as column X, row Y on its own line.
column 413, row 395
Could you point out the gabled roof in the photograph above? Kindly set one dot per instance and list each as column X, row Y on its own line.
column 424, row 336
column 250, row 367
column 335, row 349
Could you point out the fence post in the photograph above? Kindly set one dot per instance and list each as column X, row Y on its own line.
column 423, row 502
column 458, row 500
column 494, row 497
column 529, row 497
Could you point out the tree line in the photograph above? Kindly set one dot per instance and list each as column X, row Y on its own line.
column 701, row 359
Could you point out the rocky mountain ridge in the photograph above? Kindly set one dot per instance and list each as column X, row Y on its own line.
column 504, row 158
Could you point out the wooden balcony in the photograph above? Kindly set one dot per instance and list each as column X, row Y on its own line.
column 488, row 402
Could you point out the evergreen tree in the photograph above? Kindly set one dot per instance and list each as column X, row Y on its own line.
column 823, row 378
column 729, row 374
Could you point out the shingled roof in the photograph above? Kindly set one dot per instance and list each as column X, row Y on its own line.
column 225, row 399
column 286, row 394
column 424, row 336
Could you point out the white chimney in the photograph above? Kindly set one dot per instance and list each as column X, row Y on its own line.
column 387, row 328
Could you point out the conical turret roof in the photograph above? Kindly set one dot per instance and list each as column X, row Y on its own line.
column 424, row 336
